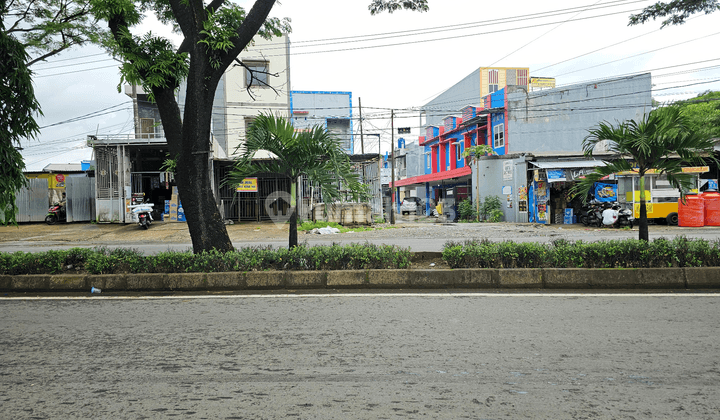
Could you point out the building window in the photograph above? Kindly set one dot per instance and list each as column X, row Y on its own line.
column 147, row 128
column 428, row 160
column 458, row 151
column 256, row 73
column 493, row 81
column 499, row 131
column 522, row 77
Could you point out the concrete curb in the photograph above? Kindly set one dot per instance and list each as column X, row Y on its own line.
column 549, row 278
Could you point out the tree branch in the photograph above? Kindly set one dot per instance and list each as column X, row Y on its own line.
column 185, row 46
column 252, row 77
column 23, row 16
column 188, row 18
column 250, row 26
column 49, row 54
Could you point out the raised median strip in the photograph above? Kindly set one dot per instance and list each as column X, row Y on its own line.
column 547, row 278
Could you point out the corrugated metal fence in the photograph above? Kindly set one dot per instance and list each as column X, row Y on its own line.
column 32, row 201
column 80, row 192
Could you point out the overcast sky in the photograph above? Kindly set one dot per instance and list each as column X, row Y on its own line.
column 402, row 60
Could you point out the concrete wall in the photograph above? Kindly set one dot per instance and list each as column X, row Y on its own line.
column 557, row 120
column 415, row 160
column 219, row 123
column 332, row 110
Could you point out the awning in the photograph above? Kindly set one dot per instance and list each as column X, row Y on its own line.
column 569, row 164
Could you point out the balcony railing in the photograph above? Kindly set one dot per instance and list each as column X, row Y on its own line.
column 146, row 138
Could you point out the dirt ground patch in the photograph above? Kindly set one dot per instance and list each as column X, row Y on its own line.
column 159, row 232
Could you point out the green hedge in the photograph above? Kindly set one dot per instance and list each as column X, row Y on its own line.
column 121, row 260
column 628, row 253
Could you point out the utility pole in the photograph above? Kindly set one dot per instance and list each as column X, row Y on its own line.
column 392, row 166
column 362, row 139
column 136, row 114
column 362, row 151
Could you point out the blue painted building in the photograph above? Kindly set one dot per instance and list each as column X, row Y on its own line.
column 531, row 133
column 446, row 173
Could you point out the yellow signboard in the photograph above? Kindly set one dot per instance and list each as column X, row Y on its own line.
column 687, row 170
column 542, row 82
column 247, row 185
column 696, row 169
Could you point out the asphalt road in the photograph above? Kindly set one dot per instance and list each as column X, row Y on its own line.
column 371, row 356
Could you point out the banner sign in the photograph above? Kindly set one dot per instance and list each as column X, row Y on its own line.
column 542, row 82
column 605, row 192
column 554, row 175
column 247, row 185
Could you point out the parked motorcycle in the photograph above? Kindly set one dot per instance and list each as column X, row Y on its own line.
column 56, row 213
column 591, row 213
column 616, row 216
column 142, row 213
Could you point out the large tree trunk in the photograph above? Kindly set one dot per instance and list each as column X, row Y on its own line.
column 206, row 226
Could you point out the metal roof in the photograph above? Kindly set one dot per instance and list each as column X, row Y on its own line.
column 63, row 167
column 569, row 164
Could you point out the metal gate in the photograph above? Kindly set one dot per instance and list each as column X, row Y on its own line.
column 80, row 194
column 107, row 185
column 250, row 206
column 371, row 177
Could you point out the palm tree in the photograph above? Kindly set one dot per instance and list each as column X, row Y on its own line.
column 661, row 141
column 314, row 153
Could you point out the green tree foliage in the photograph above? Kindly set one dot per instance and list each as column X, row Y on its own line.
column 475, row 152
column 379, row 6
column 703, row 113
column 675, row 11
column 48, row 27
column 17, row 109
column 662, row 141
column 314, row 153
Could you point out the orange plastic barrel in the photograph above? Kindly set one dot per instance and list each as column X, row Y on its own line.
column 711, row 200
column 692, row 213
